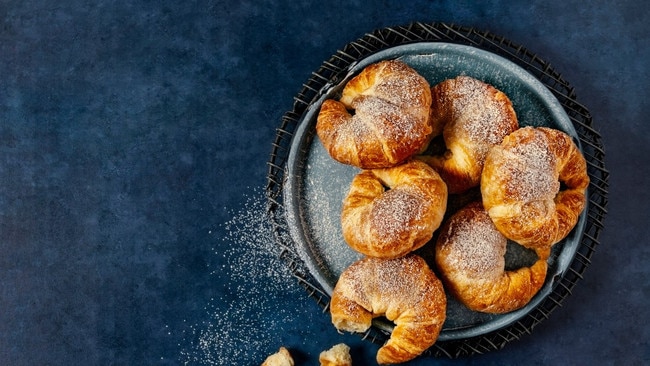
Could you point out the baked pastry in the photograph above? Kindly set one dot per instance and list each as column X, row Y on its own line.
column 533, row 186
column 280, row 358
column 472, row 117
column 390, row 212
column 390, row 122
column 338, row 355
column 469, row 255
column 404, row 290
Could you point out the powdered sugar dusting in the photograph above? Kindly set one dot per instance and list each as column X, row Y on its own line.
column 391, row 104
column 393, row 286
column 477, row 114
column 475, row 246
column 251, row 269
column 324, row 200
column 396, row 213
column 534, row 174
column 374, row 114
column 402, row 277
column 405, row 90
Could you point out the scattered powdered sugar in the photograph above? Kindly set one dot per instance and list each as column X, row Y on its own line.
column 255, row 277
column 326, row 183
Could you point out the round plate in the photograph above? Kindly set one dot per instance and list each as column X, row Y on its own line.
column 306, row 186
column 316, row 184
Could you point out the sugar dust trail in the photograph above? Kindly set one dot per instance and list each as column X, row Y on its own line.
column 248, row 320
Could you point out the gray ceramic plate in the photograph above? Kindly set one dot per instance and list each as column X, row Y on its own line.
column 315, row 184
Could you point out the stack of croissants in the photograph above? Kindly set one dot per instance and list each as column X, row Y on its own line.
column 416, row 145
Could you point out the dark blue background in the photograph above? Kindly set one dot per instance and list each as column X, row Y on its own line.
column 134, row 137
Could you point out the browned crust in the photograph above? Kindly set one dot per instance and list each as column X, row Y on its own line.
column 540, row 220
column 391, row 223
column 472, row 116
column 390, row 122
column 489, row 289
column 405, row 290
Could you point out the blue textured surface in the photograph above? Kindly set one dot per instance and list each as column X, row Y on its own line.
column 133, row 145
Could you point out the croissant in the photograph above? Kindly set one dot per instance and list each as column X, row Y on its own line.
column 472, row 117
column 338, row 355
column 469, row 255
column 404, row 290
column 533, row 186
column 280, row 358
column 390, row 122
column 391, row 212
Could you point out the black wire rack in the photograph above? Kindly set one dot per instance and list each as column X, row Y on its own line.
column 335, row 69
